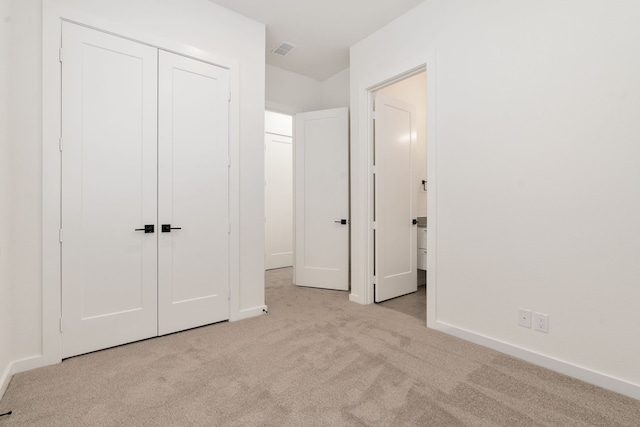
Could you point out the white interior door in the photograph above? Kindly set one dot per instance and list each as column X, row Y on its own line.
column 395, row 242
column 322, row 199
column 109, row 181
column 193, row 196
column 278, row 201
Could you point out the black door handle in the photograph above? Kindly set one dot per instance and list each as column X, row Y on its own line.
column 148, row 228
column 166, row 228
column 414, row 222
column 341, row 221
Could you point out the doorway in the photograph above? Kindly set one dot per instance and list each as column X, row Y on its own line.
column 399, row 188
column 278, row 187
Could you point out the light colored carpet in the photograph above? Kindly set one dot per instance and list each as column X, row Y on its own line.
column 315, row 359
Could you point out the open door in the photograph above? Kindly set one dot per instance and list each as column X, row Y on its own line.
column 322, row 199
column 396, row 229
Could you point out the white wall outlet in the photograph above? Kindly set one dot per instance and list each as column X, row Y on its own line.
column 541, row 322
column 524, row 318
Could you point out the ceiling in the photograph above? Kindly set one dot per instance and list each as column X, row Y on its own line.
column 322, row 30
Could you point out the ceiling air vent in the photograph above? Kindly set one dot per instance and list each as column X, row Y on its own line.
column 283, row 49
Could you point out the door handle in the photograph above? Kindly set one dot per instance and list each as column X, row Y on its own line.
column 148, row 228
column 414, row 222
column 166, row 228
column 341, row 221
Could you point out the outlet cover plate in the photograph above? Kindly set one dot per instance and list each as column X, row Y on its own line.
column 524, row 318
column 541, row 322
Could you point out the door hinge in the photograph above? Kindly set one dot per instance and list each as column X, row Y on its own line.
column 60, row 144
column 229, row 96
column 229, row 231
column 375, row 279
column 60, row 54
column 374, row 225
column 228, row 162
column 60, row 235
column 61, row 328
column 374, row 169
column 373, row 114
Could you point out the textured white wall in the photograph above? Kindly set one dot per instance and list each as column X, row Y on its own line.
column 5, row 198
column 197, row 23
column 537, row 107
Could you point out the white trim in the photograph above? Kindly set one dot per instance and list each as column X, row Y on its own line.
column 28, row 363
column 356, row 299
column 16, row 367
column 5, row 379
column 52, row 16
column 432, row 191
column 362, row 289
column 584, row 374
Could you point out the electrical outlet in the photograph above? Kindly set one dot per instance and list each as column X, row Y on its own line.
column 524, row 318
column 541, row 322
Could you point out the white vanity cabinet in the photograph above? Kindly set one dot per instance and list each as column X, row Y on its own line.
column 422, row 248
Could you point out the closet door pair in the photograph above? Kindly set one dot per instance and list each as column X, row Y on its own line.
column 145, row 194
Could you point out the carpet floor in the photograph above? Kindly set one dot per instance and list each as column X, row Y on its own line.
column 315, row 359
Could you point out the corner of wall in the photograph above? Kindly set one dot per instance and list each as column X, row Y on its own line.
column 5, row 379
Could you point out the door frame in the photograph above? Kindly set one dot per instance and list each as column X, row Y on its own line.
column 52, row 16
column 362, row 161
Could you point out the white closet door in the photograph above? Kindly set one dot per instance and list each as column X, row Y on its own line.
column 395, row 243
column 193, row 196
column 322, row 199
column 109, row 179
column 278, row 201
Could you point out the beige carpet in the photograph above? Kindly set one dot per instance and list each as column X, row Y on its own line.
column 315, row 359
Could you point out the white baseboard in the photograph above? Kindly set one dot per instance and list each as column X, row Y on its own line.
column 587, row 375
column 245, row 314
column 23, row 365
column 356, row 299
column 32, row 362
column 5, row 379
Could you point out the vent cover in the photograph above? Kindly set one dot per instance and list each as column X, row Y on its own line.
column 283, row 49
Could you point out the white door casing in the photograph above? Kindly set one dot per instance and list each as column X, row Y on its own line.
column 109, row 179
column 193, row 193
column 278, row 201
column 321, row 170
column 395, row 242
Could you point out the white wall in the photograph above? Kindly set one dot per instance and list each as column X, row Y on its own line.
column 5, row 198
column 289, row 92
column 413, row 90
column 197, row 23
column 536, row 108
column 25, row 134
column 335, row 91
